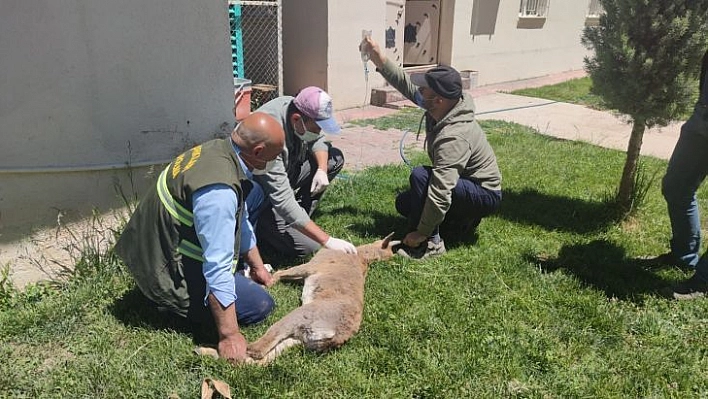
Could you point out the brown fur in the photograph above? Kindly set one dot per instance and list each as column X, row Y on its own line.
column 332, row 302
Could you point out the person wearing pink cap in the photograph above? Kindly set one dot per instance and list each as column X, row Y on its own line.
column 300, row 175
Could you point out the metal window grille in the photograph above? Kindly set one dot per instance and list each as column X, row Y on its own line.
column 595, row 8
column 257, row 47
column 533, row 8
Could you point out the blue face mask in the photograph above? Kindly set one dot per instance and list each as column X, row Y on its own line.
column 421, row 101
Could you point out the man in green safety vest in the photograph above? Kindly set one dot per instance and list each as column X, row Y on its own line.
column 183, row 242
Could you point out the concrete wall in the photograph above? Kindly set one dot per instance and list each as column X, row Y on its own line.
column 305, row 44
column 513, row 53
column 94, row 84
column 320, row 41
column 347, row 81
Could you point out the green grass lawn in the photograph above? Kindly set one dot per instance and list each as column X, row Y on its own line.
column 579, row 91
column 574, row 91
column 546, row 301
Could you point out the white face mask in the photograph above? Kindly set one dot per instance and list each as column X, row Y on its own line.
column 308, row 136
column 268, row 167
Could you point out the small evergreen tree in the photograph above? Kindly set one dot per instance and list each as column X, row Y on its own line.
column 646, row 61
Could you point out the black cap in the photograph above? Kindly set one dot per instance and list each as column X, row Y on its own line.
column 443, row 79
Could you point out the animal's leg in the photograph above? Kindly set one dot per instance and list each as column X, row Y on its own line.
column 293, row 329
column 273, row 352
column 295, row 273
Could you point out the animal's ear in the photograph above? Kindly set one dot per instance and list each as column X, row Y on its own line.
column 387, row 241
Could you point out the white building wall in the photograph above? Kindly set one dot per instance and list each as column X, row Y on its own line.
column 510, row 53
column 513, row 53
column 347, row 81
column 94, row 84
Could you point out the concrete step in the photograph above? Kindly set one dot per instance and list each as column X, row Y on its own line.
column 384, row 95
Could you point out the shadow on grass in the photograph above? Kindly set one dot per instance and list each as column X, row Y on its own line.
column 136, row 310
column 557, row 213
column 604, row 266
column 385, row 223
column 369, row 223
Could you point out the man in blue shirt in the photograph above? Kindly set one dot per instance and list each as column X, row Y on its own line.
column 185, row 237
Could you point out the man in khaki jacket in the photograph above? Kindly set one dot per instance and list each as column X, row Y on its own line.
column 464, row 183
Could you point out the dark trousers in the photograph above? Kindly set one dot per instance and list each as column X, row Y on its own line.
column 253, row 302
column 470, row 202
column 272, row 230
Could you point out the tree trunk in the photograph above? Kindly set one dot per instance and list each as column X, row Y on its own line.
column 629, row 174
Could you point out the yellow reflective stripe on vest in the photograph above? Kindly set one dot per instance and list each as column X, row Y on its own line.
column 190, row 250
column 195, row 252
column 177, row 211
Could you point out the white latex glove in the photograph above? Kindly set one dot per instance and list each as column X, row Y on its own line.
column 319, row 182
column 340, row 245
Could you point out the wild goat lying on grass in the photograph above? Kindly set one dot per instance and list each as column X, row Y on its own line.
column 332, row 301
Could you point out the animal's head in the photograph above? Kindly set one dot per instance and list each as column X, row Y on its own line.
column 378, row 250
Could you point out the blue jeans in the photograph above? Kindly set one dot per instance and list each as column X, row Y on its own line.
column 687, row 169
column 253, row 302
column 470, row 202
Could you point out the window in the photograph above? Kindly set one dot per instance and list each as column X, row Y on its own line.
column 533, row 8
column 484, row 17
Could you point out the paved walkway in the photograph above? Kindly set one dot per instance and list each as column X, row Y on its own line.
column 44, row 254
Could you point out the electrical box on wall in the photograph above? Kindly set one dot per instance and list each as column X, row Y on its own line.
column 395, row 20
column 420, row 34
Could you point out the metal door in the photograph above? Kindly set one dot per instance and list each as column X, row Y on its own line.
column 420, row 37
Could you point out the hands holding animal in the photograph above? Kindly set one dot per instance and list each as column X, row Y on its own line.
column 414, row 239
column 233, row 348
column 340, row 245
column 262, row 275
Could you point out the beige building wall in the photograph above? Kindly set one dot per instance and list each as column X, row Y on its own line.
column 320, row 41
column 88, row 86
column 513, row 51
column 305, row 44
column 348, row 82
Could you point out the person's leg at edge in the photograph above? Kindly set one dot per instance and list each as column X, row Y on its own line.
column 686, row 171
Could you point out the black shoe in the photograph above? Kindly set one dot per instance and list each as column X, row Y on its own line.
column 693, row 288
column 663, row 261
column 423, row 250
